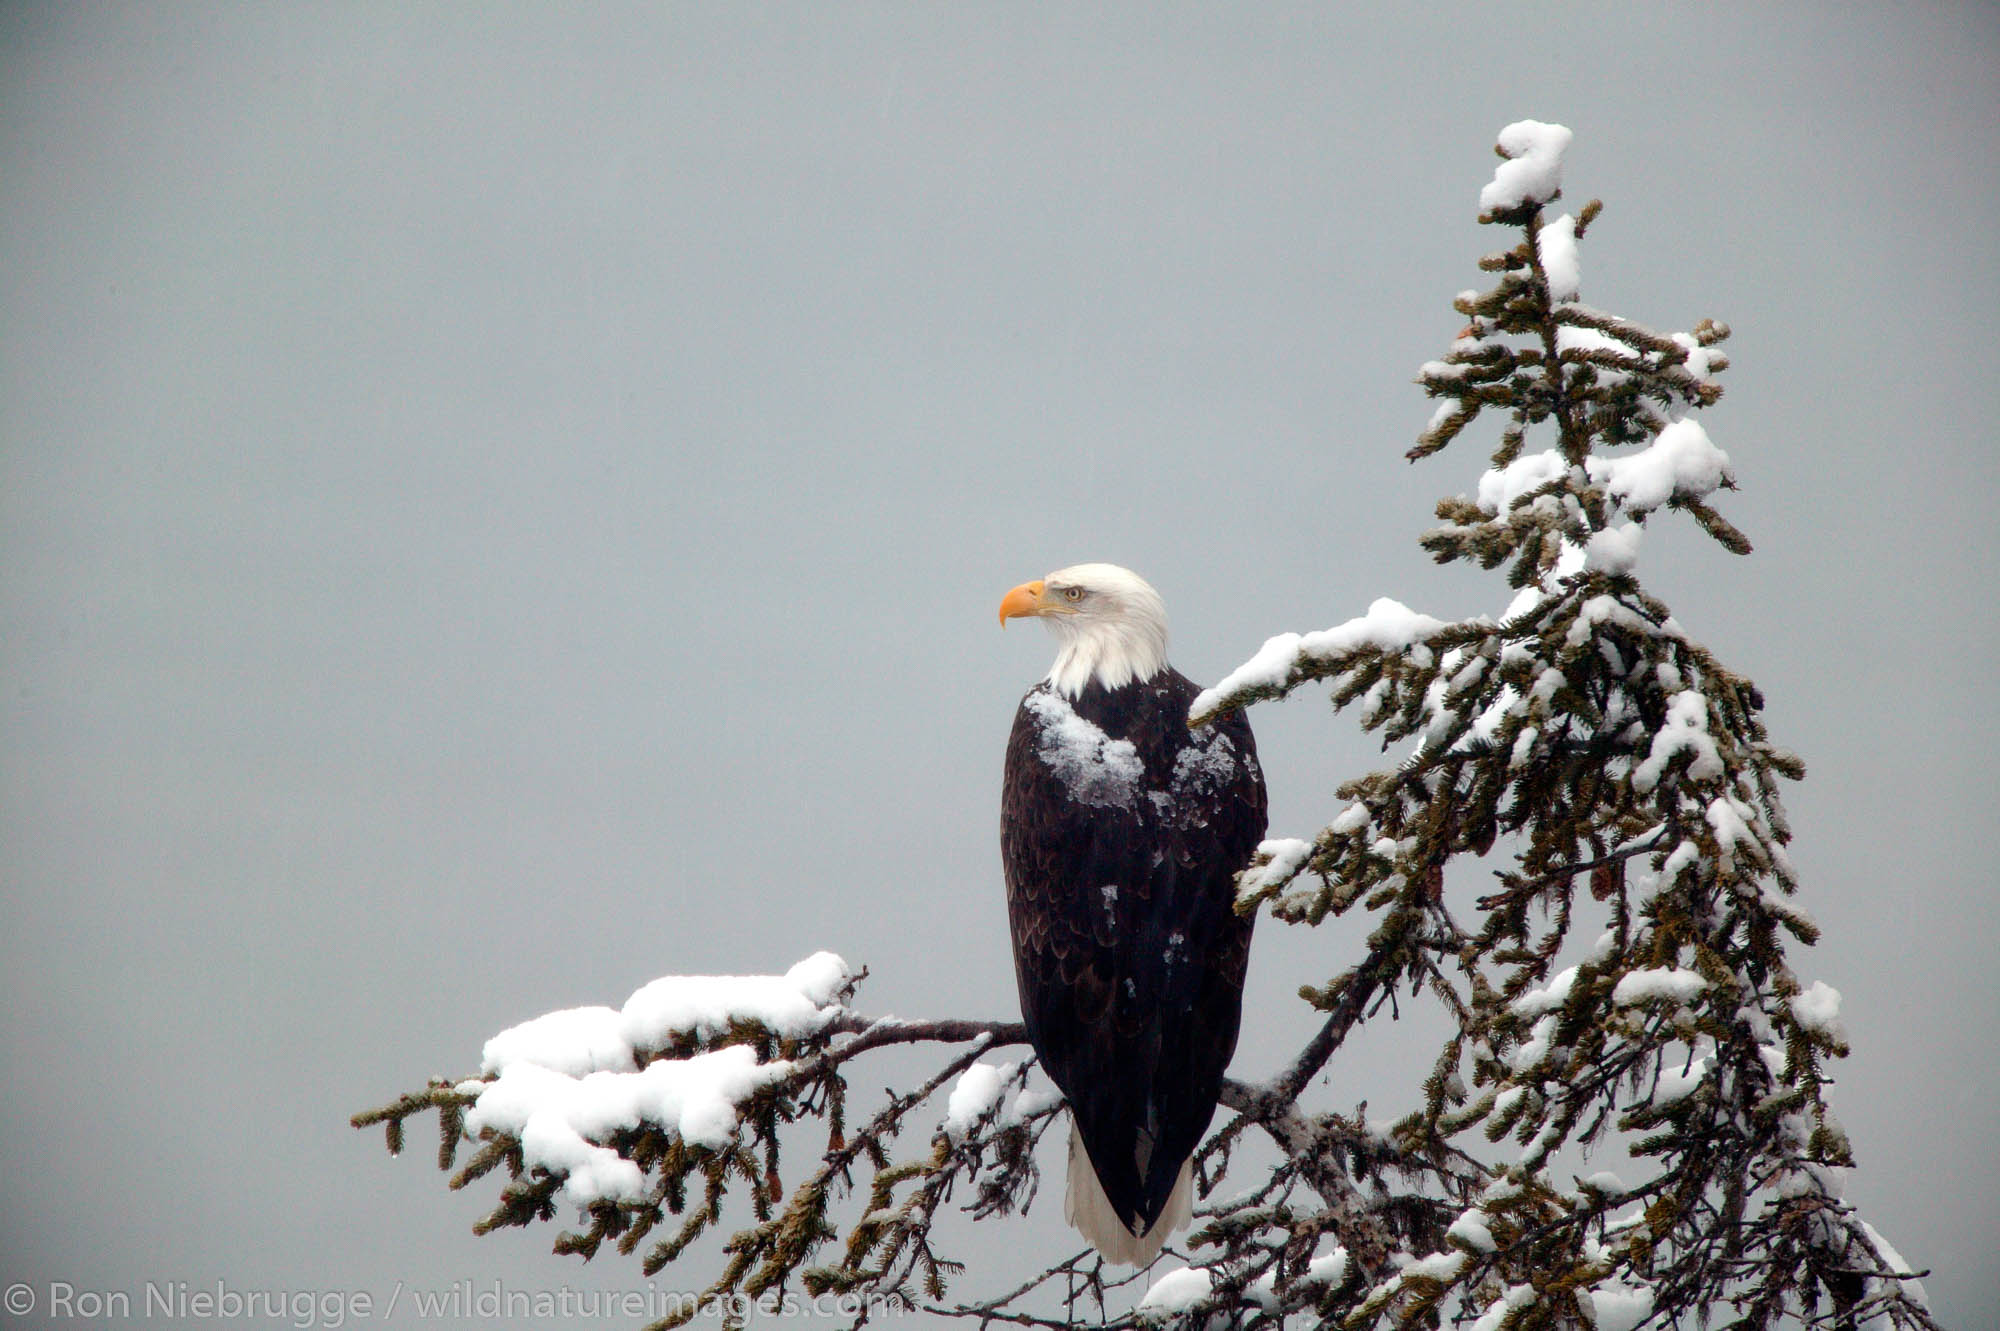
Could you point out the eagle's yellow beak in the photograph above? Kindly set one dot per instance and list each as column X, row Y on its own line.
column 1026, row 599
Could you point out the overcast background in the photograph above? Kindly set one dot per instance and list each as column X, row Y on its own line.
column 500, row 503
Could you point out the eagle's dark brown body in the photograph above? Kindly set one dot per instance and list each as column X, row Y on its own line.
column 1121, row 831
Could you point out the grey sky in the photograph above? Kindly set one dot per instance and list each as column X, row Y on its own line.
column 500, row 504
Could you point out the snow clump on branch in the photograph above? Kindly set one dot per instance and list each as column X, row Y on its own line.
column 564, row 1083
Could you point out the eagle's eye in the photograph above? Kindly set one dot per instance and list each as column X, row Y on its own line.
column 1072, row 594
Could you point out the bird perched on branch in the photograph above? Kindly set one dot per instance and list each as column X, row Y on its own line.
column 1122, row 831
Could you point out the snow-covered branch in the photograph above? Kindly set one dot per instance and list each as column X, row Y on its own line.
column 620, row 1112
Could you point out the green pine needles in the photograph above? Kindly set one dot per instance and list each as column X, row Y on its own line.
column 1580, row 857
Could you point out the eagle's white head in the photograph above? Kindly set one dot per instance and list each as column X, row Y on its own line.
column 1108, row 621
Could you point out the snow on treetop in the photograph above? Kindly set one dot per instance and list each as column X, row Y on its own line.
column 1582, row 337
column 1557, row 243
column 1614, row 549
column 1500, row 488
column 1532, row 172
column 1700, row 359
column 1681, row 463
column 1388, row 626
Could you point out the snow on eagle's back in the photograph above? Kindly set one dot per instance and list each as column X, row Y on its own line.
column 1208, row 764
column 564, row 1082
column 1096, row 769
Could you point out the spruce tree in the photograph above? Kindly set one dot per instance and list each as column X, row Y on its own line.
column 1620, row 983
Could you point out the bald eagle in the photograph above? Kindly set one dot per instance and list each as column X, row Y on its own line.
column 1122, row 830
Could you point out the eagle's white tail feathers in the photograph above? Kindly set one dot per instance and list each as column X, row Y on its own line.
column 1086, row 1207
